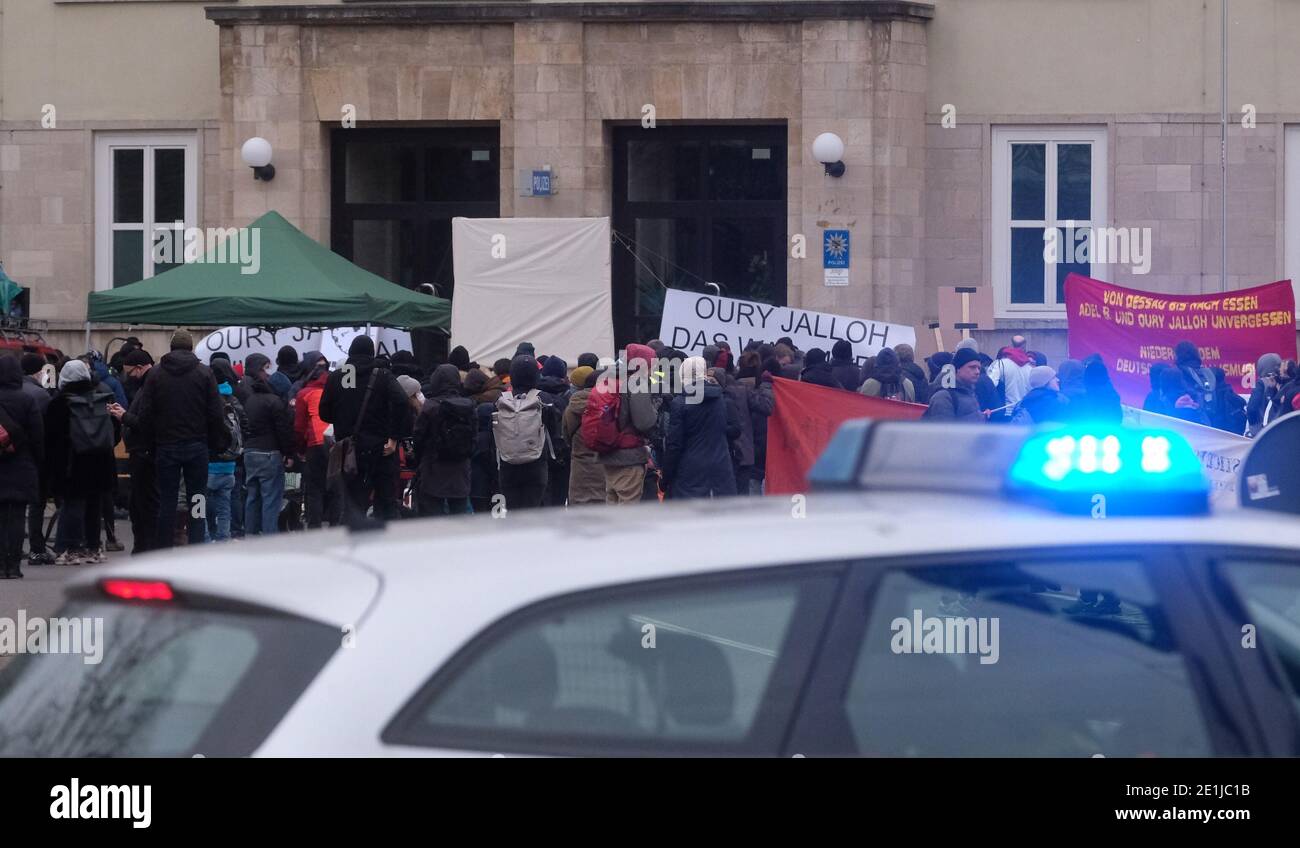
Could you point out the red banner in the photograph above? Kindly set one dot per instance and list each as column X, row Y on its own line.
column 1133, row 329
column 806, row 417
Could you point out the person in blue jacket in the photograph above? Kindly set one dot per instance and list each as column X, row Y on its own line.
column 701, row 427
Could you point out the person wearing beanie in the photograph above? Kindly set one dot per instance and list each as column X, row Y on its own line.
column 524, row 484
column 888, row 380
column 78, row 478
column 268, row 443
column 180, row 408
column 844, row 368
column 446, row 433
column 372, row 433
column 1043, row 403
column 286, row 361
column 555, row 386
column 32, row 365
column 1100, row 402
column 590, row 360
column 586, row 475
column 221, row 354
column 20, row 477
column 967, row 344
column 526, row 349
column 817, row 370
column 1263, row 405
column 959, row 403
column 459, row 357
column 624, row 462
column 914, row 372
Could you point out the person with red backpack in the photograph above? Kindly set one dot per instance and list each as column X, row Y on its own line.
column 445, row 435
column 620, row 419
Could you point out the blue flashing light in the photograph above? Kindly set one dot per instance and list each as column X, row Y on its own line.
column 1134, row 471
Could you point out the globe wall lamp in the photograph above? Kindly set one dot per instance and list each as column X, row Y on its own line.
column 256, row 154
column 828, row 149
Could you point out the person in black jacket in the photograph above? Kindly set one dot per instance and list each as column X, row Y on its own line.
column 444, row 479
column 701, row 426
column 817, row 370
column 1265, row 390
column 78, row 478
column 387, row 419
column 1100, row 401
column 844, row 369
column 32, row 363
column 180, row 406
column 555, row 386
column 143, row 504
column 20, row 484
column 269, row 442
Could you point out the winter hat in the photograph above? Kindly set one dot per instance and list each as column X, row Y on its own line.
column 905, row 353
column 816, row 356
column 555, row 367
column 286, row 357
column 138, row 357
column 409, row 385
column 590, row 360
column 74, row 370
column 525, row 349
column 523, row 374
column 1269, row 363
column 474, row 381
column 710, row 355
column 963, row 356
column 459, row 357
column 579, row 376
column 967, row 344
column 842, row 350
column 1040, row 376
column 362, row 346
column 181, row 340
column 34, row 362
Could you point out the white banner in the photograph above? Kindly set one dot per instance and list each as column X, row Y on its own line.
column 333, row 343
column 692, row 320
column 539, row 280
column 1221, row 453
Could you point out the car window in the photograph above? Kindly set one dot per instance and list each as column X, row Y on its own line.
column 163, row 681
column 656, row 670
column 1271, row 593
column 1021, row 659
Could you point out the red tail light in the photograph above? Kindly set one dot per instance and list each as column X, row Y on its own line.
column 138, row 590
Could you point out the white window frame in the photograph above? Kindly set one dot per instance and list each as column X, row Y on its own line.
column 1291, row 207
column 105, row 144
column 1002, row 139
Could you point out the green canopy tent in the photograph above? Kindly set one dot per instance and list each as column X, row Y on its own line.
column 298, row 283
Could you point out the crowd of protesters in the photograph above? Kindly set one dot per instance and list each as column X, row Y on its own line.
column 219, row 451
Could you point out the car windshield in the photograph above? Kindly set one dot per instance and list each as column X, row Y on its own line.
column 154, row 680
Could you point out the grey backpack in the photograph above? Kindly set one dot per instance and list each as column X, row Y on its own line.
column 518, row 428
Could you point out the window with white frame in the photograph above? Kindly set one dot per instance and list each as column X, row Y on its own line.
column 1044, row 179
column 145, row 184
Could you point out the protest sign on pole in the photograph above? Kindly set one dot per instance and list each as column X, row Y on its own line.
column 1221, row 453
column 333, row 342
column 805, row 419
column 1134, row 329
column 692, row 320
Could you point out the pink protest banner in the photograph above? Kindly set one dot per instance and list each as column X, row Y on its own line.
column 1134, row 329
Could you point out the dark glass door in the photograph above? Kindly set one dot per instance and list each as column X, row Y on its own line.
column 696, row 205
column 393, row 195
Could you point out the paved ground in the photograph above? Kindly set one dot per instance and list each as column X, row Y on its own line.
column 40, row 592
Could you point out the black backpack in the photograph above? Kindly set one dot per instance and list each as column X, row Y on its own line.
column 90, row 427
column 456, row 430
column 232, row 416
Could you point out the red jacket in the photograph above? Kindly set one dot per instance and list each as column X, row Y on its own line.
column 307, row 424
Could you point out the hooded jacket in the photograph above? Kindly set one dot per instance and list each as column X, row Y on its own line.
column 738, row 396
column 179, row 403
column 586, row 474
column 888, row 379
column 308, row 428
column 388, row 416
column 697, row 456
column 1010, row 371
column 817, row 370
column 19, row 471
column 637, row 412
column 270, row 428
column 442, row 478
column 67, row 473
column 844, row 370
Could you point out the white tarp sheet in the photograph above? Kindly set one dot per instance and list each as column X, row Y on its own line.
column 539, row 280
column 1221, row 453
column 333, row 343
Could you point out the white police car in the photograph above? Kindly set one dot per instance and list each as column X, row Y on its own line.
column 969, row 591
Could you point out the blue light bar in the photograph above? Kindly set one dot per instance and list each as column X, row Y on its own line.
column 1122, row 471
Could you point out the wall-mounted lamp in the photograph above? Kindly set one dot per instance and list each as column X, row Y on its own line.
column 828, row 148
column 256, row 154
